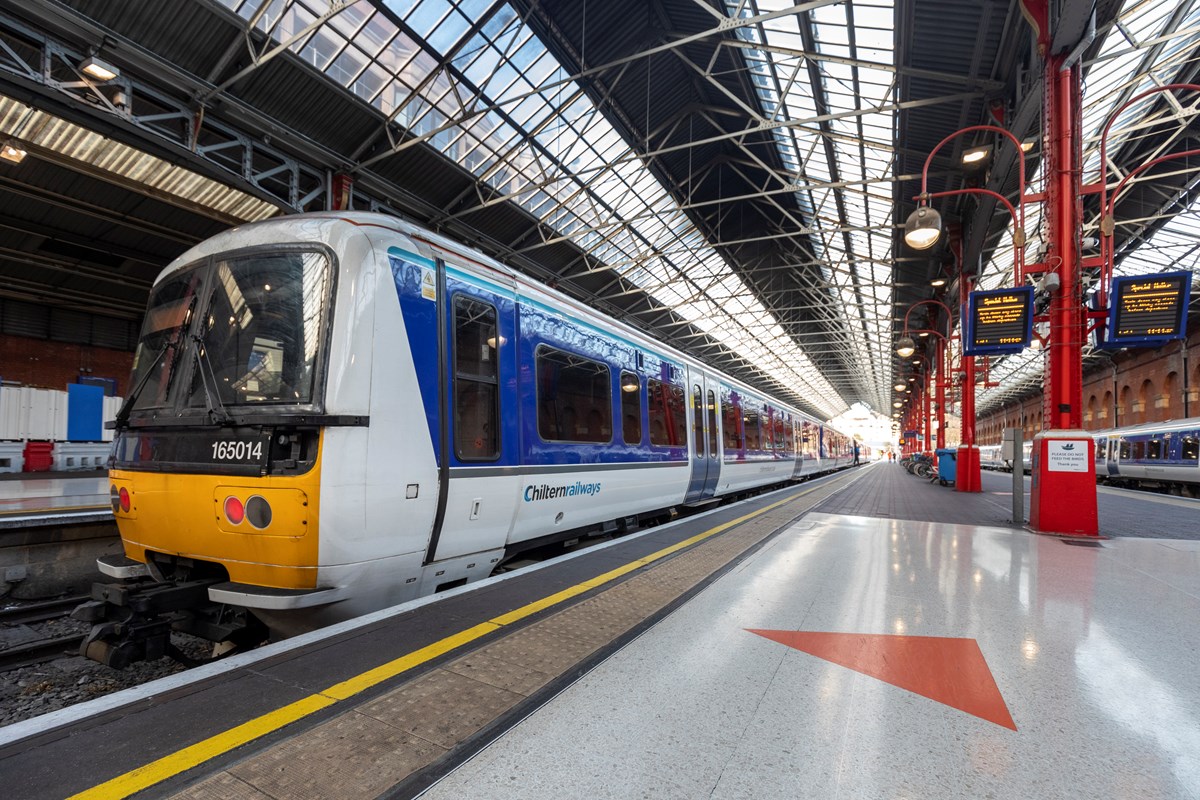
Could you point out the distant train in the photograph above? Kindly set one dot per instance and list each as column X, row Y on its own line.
column 1155, row 455
column 333, row 413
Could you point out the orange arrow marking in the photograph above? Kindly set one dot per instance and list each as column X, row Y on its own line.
column 950, row 671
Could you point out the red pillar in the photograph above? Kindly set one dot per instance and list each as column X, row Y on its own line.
column 941, row 394
column 968, row 477
column 1063, row 495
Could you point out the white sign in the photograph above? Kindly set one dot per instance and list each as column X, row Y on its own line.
column 1064, row 455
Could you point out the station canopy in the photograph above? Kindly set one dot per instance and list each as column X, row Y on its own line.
column 731, row 177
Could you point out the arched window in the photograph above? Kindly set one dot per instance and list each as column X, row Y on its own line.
column 1124, row 410
column 1169, row 403
column 1106, row 411
column 1145, row 401
column 1089, row 416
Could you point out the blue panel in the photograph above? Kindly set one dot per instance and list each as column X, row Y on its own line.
column 1148, row 310
column 85, row 413
column 538, row 324
column 1011, row 324
column 418, row 303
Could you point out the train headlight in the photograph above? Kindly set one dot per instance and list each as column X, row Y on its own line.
column 235, row 512
column 258, row 511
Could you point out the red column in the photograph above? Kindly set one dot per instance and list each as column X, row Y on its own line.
column 1063, row 495
column 941, row 394
column 967, row 477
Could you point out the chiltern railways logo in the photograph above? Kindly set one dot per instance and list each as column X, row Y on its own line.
column 545, row 492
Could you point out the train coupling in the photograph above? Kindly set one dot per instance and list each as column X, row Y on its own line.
column 132, row 621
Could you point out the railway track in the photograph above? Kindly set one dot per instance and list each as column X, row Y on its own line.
column 23, row 654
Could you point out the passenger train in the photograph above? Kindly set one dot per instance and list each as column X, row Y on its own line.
column 333, row 413
column 1155, row 455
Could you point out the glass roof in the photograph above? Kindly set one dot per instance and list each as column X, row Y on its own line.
column 475, row 82
column 471, row 79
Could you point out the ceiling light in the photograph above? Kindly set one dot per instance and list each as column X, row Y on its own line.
column 100, row 70
column 897, row 404
column 1026, row 146
column 938, row 282
column 975, row 156
column 899, row 387
column 905, row 347
column 11, row 152
column 923, row 334
column 923, row 228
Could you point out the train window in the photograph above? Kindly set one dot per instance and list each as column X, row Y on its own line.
column 262, row 330
column 1126, row 450
column 711, row 408
column 789, row 443
column 1190, row 448
column 780, row 429
column 753, row 430
column 164, row 337
column 668, row 415
column 1101, row 448
column 1139, row 450
column 476, row 394
column 1154, row 448
column 574, row 397
column 809, row 441
column 731, row 417
column 698, row 420
column 631, row 408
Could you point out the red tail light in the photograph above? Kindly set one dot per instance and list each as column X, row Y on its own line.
column 235, row 512
column 124, row 499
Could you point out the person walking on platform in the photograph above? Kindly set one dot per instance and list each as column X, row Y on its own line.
column 856, row 454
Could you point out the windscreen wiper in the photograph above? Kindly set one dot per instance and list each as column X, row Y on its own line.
column 212, row 399
column 121, row 421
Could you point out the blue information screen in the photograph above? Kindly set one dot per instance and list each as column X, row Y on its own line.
column 1147, row 310
column 999, row 321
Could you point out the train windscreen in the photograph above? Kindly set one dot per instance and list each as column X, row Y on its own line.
column 262, row 331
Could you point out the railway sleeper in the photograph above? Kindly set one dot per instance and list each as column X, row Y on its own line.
column 133, row 621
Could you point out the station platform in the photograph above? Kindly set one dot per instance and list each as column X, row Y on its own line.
column 33, row 498
column 782, row 647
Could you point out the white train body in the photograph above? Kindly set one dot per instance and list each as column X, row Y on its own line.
column 339, row 412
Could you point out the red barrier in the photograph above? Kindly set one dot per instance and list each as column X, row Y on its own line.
column 39, row 456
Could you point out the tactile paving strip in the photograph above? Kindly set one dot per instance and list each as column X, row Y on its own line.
column 365, row 751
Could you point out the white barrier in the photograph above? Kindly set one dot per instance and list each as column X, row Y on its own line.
column 41, row 414
column 80, row 455
column 12, row 456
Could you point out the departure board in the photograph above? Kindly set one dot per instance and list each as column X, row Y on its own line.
column 1147, row 310
column 999, row 321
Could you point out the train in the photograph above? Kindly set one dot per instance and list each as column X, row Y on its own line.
column 1162, row 456
column 333, row 413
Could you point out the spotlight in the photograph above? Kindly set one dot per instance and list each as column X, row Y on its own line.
column 9, row 151
column 975, row 156
column 100, row 70
column 905, row 347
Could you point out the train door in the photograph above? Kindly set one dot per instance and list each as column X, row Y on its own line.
column 705, row 445
column 478, row 493
column 1114, row 452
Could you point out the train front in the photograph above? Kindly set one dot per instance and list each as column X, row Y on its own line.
column 215, row 470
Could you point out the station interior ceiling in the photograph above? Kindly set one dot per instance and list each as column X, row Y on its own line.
column 731, row 176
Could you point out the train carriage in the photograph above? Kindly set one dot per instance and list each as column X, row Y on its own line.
column 333, row 413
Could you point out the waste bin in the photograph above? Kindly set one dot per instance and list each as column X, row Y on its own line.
column 947, row 465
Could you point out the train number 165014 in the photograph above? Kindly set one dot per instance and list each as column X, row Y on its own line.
column 237, row 451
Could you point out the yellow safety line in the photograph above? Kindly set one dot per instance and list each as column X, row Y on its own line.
column 190, row 757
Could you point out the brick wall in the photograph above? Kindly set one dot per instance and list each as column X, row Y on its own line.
column 52, row 365
column 1137, row 385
